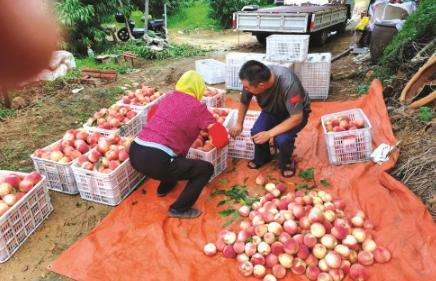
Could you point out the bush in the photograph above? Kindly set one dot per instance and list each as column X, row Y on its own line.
column 223, row 9
column 82, row 21
column 420, row 27
column 156, row 7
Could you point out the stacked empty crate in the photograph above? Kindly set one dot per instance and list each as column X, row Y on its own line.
column 290, row 48
column 234, row 62
column 213, row 71
column 348, row 146
column 242, row 146
column 312, row 69
column 217, row 156
column 23, row 218
column 314, row 74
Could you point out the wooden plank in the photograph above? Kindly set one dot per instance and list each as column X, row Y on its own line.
column 129, row 55
column 340, row 55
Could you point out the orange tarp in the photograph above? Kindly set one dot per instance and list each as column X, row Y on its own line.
column 137, row 241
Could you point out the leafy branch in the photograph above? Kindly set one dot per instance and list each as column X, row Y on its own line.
column 308, row 176
column 236, row 195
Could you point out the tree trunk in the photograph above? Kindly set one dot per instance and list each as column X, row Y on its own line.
column 126, row 22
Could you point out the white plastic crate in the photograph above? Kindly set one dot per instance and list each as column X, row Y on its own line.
column 215, row 101
column 131, row 128
column 234, row 62
column 109, row 189
column 142, row 110
column 290, row 48
column 314, row 74
column 213, row 71
column 59, row 176
column 271, row 63
column 243, row 146
column 227, row 122
column 20, row 221
column 348, row 146
column 218, row 158
column 250, row 118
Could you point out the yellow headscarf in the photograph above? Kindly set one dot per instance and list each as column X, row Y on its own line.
column 191, row 83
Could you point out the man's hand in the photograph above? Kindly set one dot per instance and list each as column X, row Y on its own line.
column 262, row 137
column 235, row 131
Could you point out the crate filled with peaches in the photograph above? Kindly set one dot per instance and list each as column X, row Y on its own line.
column 104, row 174
column 24, row 205
column 213, row 97
column 117, row 119
column 202, row 148
column 141, row 100
column 54, row 161
column 348, row 136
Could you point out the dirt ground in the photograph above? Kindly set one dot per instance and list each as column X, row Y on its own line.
column 53, row 112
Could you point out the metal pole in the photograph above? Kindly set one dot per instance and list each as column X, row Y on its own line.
column 166, row 22
column 146, row 12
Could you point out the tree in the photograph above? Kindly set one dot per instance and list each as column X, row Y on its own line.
column 156, row 7
column 83, row 20
column 223, row 9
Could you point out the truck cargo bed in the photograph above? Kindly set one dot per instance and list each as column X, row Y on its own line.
column 298, row 9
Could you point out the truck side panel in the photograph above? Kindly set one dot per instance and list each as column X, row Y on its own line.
column 293, row 23
column 322, row 20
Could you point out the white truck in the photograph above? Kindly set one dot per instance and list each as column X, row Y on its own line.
column 313, row 19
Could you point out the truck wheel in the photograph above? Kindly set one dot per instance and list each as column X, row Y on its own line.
column 320, row 37
column 342, row 27
column 261, row 38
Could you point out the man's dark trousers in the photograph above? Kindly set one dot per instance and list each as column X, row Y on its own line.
column 285, row 142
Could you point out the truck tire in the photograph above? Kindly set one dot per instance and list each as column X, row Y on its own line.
column 261, row 38
column 320, row 37
column 341, row 27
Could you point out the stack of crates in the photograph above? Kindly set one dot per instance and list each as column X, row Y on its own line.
column 287, row 48
column 314, row 74
column 234, row 62
column 312, row 69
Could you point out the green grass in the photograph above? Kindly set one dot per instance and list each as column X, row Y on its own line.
column 194, row 17
column 420, row 28
column 175, row 51
column 5, row 112
column 136, row 16
column 91, row 63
